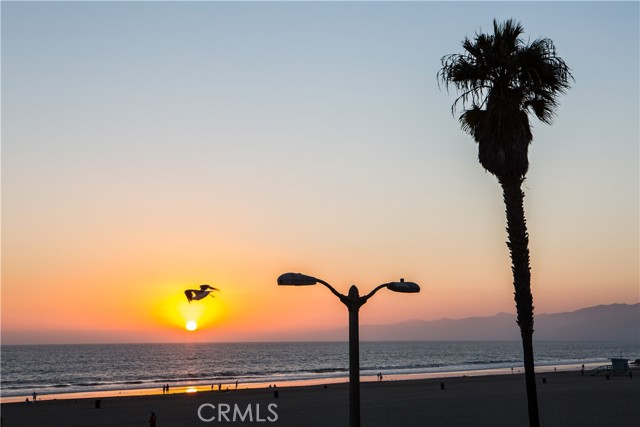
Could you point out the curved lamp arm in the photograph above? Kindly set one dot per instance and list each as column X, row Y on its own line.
column 370, row 294
column 332, row 289
column 401, row 286
column 353, row 300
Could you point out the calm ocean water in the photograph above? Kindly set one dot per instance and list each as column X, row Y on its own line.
column 86, row 368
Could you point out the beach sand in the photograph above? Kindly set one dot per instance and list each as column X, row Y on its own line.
column 566, row 399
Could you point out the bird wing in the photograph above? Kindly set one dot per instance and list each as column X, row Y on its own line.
column 200, row 294
column 205, row 287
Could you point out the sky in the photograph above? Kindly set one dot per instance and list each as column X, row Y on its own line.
column 148, row 148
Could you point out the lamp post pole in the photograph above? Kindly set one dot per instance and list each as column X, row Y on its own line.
column 354, row 355
column 353, row 301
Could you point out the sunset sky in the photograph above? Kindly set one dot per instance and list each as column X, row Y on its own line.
column 148, row 148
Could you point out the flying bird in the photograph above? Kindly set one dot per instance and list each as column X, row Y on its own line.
column 205, row 290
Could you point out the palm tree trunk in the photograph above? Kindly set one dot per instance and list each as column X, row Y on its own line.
column 519, row 247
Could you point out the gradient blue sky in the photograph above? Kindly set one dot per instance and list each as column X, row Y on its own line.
column 148, row 147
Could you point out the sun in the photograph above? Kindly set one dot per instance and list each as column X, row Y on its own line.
column 191, row 325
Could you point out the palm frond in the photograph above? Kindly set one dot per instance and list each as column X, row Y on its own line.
column 501, row 80
column 499, row 67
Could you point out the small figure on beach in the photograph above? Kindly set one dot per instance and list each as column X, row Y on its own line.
column 582, row 370
column 236, row 384
column 34, row 395
column 152, row 420
column 205, row 291
column 380, row 376
column 167, row 387
column 219, row 386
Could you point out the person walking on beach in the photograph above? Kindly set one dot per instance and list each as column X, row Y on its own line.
column 34, row 396
column 236, row 384
column 152, row 420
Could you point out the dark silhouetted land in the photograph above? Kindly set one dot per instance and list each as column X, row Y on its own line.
column 614, row 322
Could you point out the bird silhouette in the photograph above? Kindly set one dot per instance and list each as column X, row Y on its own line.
column 205, row 290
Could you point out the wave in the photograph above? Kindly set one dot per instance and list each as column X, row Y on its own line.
column 326, row 370
column 113, row 367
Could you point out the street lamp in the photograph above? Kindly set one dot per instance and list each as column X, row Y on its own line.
column 353, row 301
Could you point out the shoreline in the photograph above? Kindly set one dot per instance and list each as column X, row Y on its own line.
column 230, row 386
column 566, row 398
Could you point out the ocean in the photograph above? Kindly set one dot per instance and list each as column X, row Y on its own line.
column 56, row 369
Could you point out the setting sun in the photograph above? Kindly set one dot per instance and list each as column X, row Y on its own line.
column 191, row 325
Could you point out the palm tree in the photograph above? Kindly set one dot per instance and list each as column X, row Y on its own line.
column 502, row 81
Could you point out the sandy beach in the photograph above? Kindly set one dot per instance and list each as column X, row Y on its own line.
column 566, row 399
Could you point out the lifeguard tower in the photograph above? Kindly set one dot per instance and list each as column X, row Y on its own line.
column 619, row 366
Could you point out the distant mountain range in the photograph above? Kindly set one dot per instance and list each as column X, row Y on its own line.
column 615, row 322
